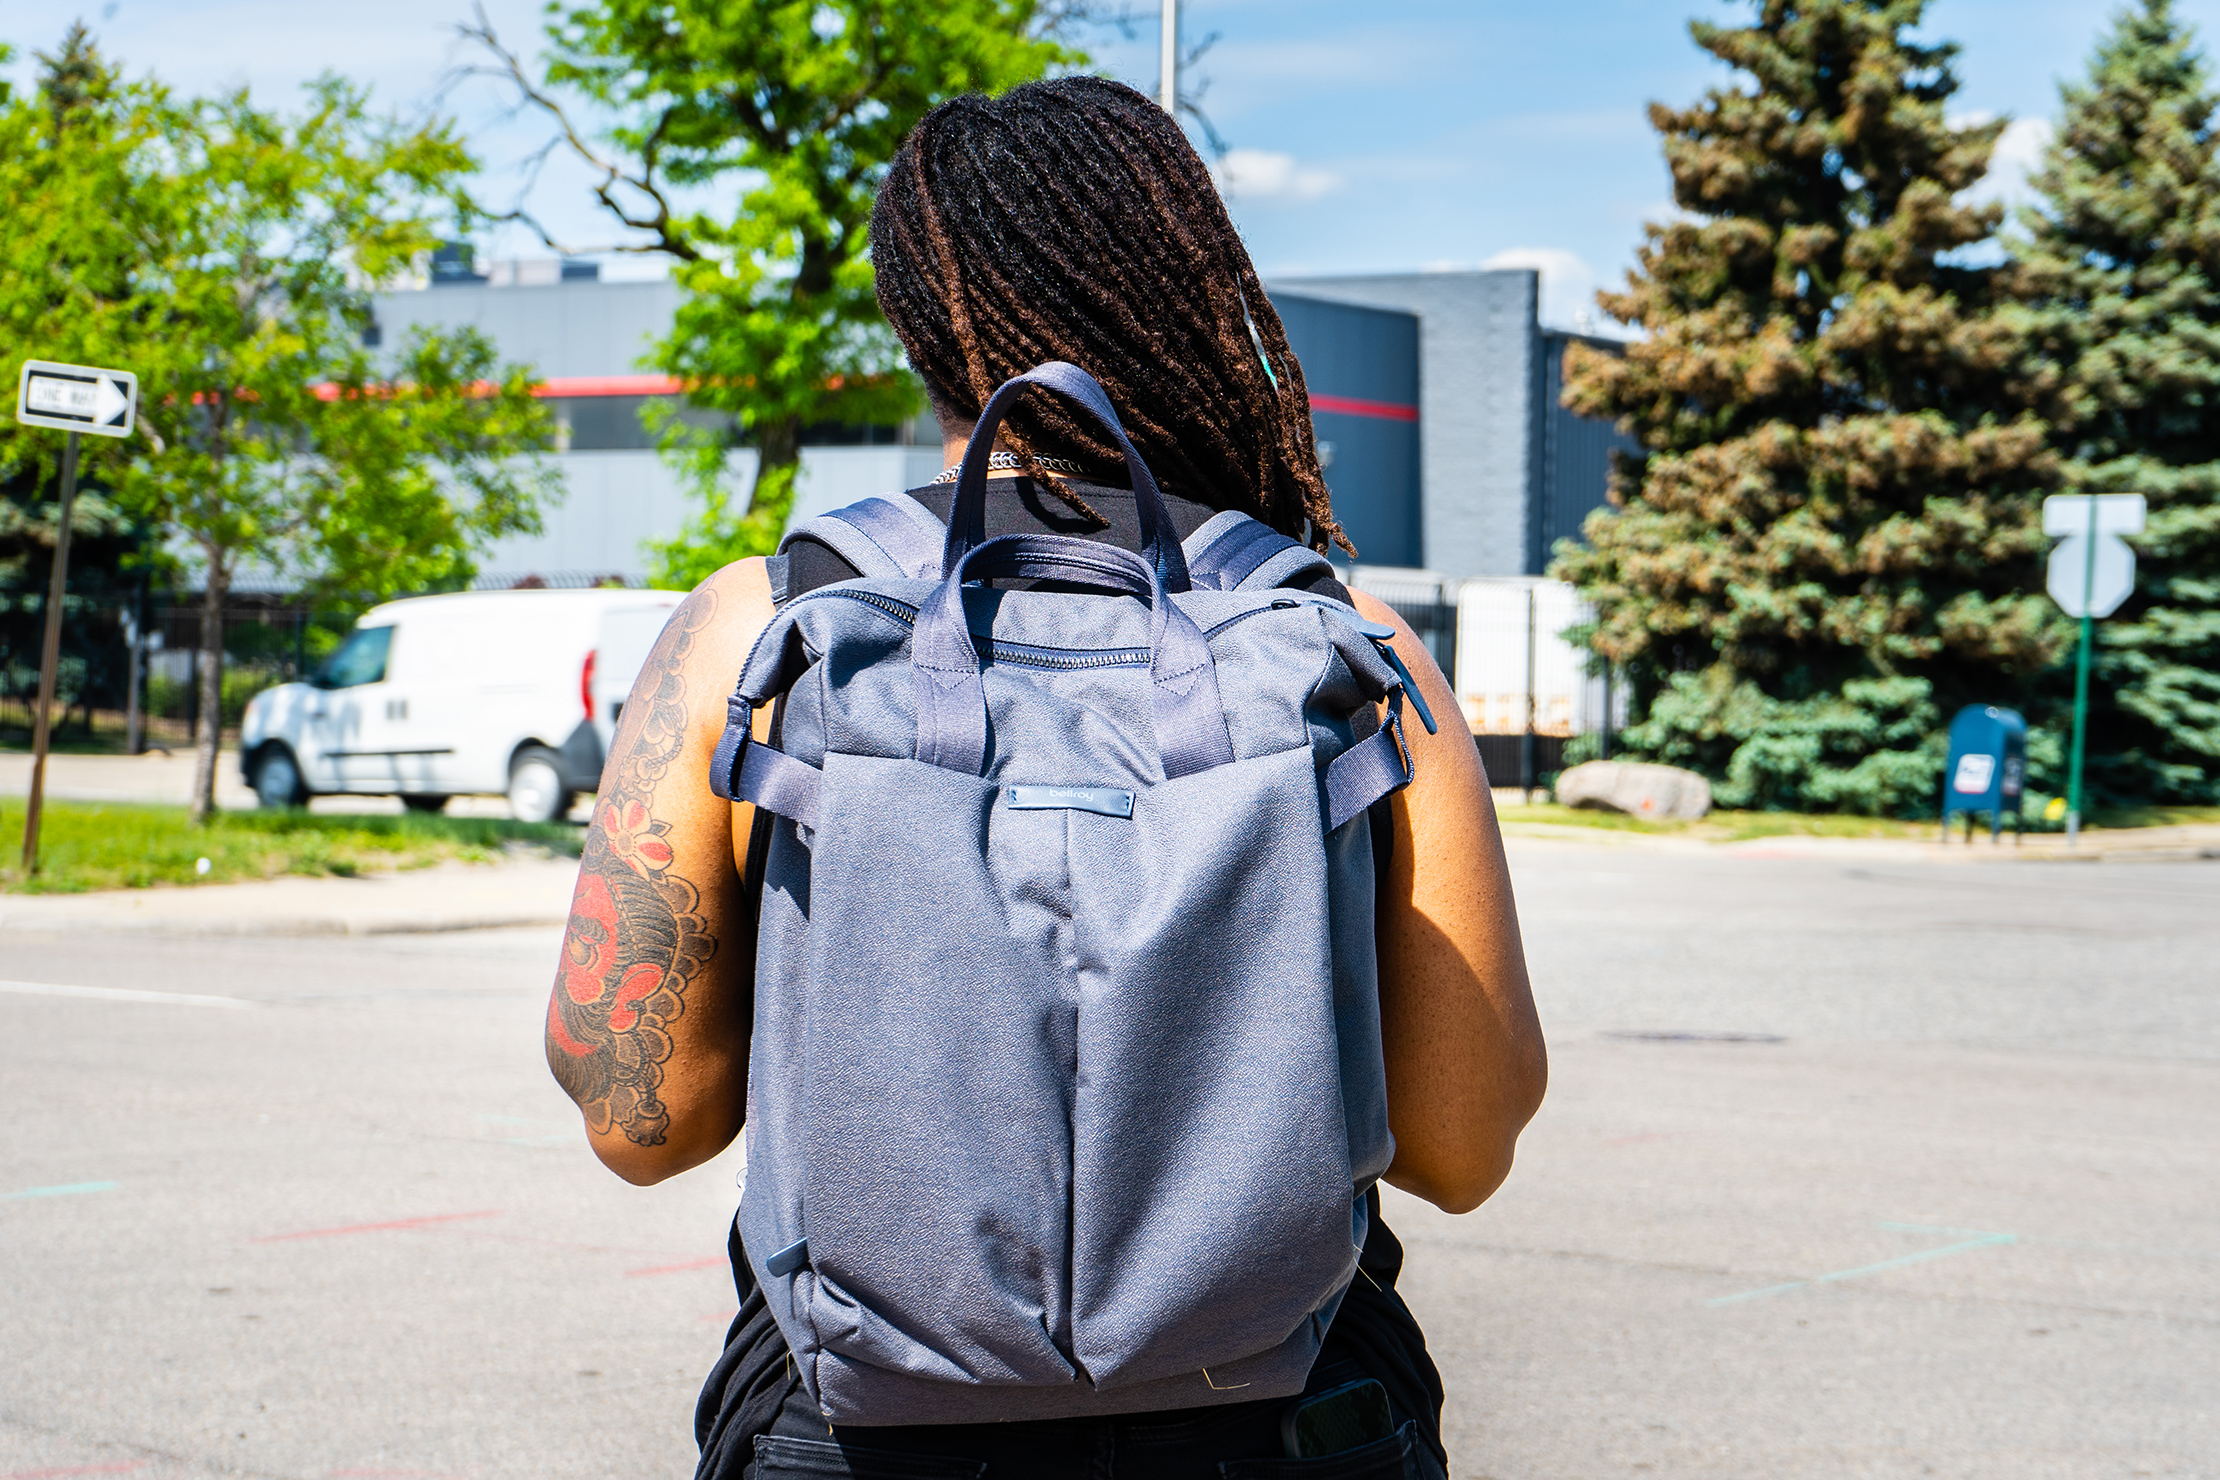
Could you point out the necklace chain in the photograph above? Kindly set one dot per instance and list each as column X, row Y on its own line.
column 1012, row 462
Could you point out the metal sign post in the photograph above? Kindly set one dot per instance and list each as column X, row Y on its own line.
column 76, row 399
column 2091, row 572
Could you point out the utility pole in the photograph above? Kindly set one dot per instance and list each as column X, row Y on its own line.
column 1170, row 72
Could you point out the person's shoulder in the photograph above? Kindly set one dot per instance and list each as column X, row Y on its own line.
column 720, row 619
column 742, row 580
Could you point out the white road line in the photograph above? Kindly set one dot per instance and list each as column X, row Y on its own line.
column 121, row 994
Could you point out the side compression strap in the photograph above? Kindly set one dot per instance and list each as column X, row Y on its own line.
column 740, row 771
column 777, row 782
column 1369, row 769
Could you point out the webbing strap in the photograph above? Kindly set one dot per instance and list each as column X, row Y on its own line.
column 891, row 538
column 1368, row 770
column 741, row 771
column 1233, row 552
column 729, row 745
column 777, row 782
column 1231, row 559
column 906, row 530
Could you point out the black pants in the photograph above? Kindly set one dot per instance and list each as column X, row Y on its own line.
column 1240, row 1442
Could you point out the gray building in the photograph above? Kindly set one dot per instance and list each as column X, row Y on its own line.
column 1504, row 470
column 1434, row 396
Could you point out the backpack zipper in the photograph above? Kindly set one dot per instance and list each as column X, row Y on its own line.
column 1023, row 655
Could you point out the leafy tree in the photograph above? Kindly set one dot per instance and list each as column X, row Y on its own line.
column 1831, row 537
column 224, row 253
column 802, row 103
column 275, row 436
column 2124, row 255
column 67, row 150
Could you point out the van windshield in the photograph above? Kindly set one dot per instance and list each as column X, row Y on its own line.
column 360, row 659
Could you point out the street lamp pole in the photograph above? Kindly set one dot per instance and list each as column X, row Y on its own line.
column 1170, row 70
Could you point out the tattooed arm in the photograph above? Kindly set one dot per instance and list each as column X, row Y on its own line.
column 646, row 1027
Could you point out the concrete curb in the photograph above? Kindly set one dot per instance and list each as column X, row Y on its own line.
column 36, row 924
column 2186, row 844
column 451, row 897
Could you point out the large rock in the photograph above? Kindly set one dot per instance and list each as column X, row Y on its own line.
column 1636, row 788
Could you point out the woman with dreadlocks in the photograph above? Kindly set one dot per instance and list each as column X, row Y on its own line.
column 1066, row 220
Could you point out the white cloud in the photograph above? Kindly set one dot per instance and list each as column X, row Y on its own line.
column 1268, row 177
column 1568, row 286
column 2018, row 151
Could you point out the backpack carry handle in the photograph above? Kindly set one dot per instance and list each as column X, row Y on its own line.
column 967, row 514
column 1190, row 720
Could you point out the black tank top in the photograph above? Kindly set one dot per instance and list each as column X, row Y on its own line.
column 1373, row 1334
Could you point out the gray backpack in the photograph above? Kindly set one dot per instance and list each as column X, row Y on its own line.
column 1065, row 1090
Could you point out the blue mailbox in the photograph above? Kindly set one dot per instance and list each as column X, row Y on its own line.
column 1988, row 767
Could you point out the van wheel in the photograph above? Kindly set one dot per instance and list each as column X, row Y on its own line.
column 425, row 804
column 536, row 790
column 277, row 780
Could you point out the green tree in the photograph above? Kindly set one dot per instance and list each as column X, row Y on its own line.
column 225, row 253
column 274, row 435
column 802, row 104
column 2124, row 256
column 72, row 146
column 1831, row 536
column 67, row 148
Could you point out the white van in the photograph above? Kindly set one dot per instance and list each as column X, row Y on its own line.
column 509, row 693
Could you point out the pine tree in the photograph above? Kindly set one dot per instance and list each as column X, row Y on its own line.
column 1831, row 538
column 2125, row 255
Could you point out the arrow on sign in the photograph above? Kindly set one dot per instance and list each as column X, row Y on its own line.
column 109, row 402
column 76, row 398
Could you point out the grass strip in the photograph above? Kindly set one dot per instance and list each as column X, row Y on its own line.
column 122, row 845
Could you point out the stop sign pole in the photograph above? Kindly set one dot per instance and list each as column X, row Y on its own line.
column 2091, row 572
column 76, row 399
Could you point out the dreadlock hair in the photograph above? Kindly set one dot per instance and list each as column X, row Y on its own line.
column 1071, row 220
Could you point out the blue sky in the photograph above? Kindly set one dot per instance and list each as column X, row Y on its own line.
column 1381, row 136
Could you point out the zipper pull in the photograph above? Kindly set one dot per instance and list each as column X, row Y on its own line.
column 1410, row 685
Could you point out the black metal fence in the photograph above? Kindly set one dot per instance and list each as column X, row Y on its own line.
column 130, row 674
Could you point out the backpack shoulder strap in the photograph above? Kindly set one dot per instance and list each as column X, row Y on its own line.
column 891, row 537
column 1233, row 552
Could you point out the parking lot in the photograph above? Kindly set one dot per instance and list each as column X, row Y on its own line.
column 1851, row 1166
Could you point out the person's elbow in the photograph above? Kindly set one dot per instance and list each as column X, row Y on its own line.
column 642, row 1166
column 641, row 1152
column 1475, row 1159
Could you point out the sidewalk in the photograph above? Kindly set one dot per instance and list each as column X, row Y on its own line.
column 452, row 896
column 153, row 777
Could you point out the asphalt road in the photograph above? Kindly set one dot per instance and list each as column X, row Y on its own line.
column 1883, row 1170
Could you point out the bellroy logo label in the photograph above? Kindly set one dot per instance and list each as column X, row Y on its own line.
column 1108, row 801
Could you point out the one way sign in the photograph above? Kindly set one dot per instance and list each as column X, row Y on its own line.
column 76, row 398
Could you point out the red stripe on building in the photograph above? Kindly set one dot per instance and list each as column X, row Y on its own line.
column 1352, row 406
column 609, row 385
